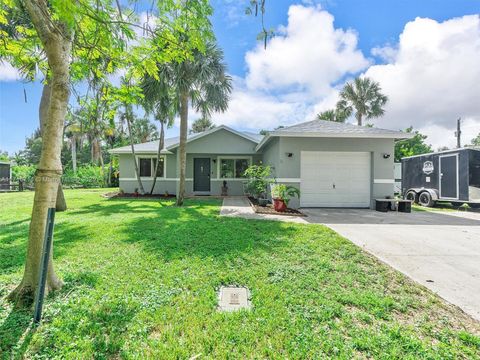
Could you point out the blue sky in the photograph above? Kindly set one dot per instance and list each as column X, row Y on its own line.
column 358, row 27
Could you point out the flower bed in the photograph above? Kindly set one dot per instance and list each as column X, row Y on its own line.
column 269, row 210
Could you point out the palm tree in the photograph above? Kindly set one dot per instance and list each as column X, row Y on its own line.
column 332, row 115
column 160, row 100
column 201, row 124
column 73, row 132
column 364, row 97
column 201, row 82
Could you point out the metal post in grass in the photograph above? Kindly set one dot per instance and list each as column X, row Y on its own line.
column 47, row 246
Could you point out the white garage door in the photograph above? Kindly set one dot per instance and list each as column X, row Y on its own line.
column 335, row 179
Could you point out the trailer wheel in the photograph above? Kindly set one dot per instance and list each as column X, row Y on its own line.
column 412, row 196
column 474, row 206
column 425, row 199
column 456, row 203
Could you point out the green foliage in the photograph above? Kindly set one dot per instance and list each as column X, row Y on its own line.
column 476, row 140
column 363, row 97
column 285, row 192
column 200, row 125
column 4, row 155
column 259, row 177
column 25, row 173
column 88, row 176
column 413, row 146
column 141, row 278
column 333, row 115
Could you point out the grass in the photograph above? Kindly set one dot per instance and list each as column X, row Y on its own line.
column 141, row 279
column 444, row 207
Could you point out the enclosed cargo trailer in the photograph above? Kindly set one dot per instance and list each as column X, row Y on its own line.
column 452, row 175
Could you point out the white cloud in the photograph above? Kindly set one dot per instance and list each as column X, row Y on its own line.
column 431, row 75
column 309, row 54
column 432, row 78
column 250, row 109
column 296, row 74
column 8, row 72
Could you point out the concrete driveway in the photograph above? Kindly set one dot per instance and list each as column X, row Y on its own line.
column 440, row 250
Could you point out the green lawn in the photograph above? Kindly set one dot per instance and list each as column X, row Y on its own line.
column 141, row 279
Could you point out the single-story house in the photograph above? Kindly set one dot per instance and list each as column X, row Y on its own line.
column 333, row 164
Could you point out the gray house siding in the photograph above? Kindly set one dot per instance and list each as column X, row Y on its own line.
column 381, row 168
column 128, row 181
column 223, row 142
column 271, row 155
column 282, row 150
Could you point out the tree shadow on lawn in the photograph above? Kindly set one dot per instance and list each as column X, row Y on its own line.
column 120, row 206
column 16, row 332
column 198, row 230
column 13, row 246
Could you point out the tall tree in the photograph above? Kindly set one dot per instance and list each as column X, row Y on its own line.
column 70, row 35
column 363, row 97
column 160, row 99
column 201, row 124
column 332, row 115
column 413, row 146
column 201, row 82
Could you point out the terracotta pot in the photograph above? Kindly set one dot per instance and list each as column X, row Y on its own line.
column 279, row 205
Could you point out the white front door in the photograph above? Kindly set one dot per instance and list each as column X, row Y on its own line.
column 335, row 179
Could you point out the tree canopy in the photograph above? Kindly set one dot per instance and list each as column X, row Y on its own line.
column 364, row 98
column 413, row 146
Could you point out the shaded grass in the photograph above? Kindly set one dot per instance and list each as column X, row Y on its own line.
column 141, row 280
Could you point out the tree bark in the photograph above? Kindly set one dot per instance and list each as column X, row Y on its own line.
column 182, row 148
column 161, row 143
column 137, row 173
column 74, row 153
column 57, row 43
column 359, row 118
column 44, row 103
column 61, row 204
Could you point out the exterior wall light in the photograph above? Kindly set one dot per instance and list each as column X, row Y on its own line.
column 386, row 156
column 289, row 154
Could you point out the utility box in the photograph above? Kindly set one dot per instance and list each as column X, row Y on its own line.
column 452, row 175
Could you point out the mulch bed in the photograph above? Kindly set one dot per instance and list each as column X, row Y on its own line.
column 270, row 210
column 118, row 195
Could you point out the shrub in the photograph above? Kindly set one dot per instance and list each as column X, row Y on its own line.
column 87, row 176
column 285, row 192
column 258, row 180
column 25, row 173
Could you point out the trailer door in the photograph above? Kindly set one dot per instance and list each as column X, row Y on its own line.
column 448, row 176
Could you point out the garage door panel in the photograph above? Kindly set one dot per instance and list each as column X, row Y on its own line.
column 335, row 179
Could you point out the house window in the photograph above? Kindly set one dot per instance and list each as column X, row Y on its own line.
column 233, row 168
column 147, row 167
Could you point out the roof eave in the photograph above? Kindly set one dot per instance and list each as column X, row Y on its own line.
column 211, row 131
column 395, row 136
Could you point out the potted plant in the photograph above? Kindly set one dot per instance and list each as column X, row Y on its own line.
column 281, row 195
column 258, row 180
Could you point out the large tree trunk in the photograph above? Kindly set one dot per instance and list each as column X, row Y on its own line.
column 61, row 204
column 57, row 43
column 182, row 148
column 137, row 172
column 161, row 143
column 96, row 151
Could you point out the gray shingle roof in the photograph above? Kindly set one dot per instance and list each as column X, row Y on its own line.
column 152, row 146
column 331, row 127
